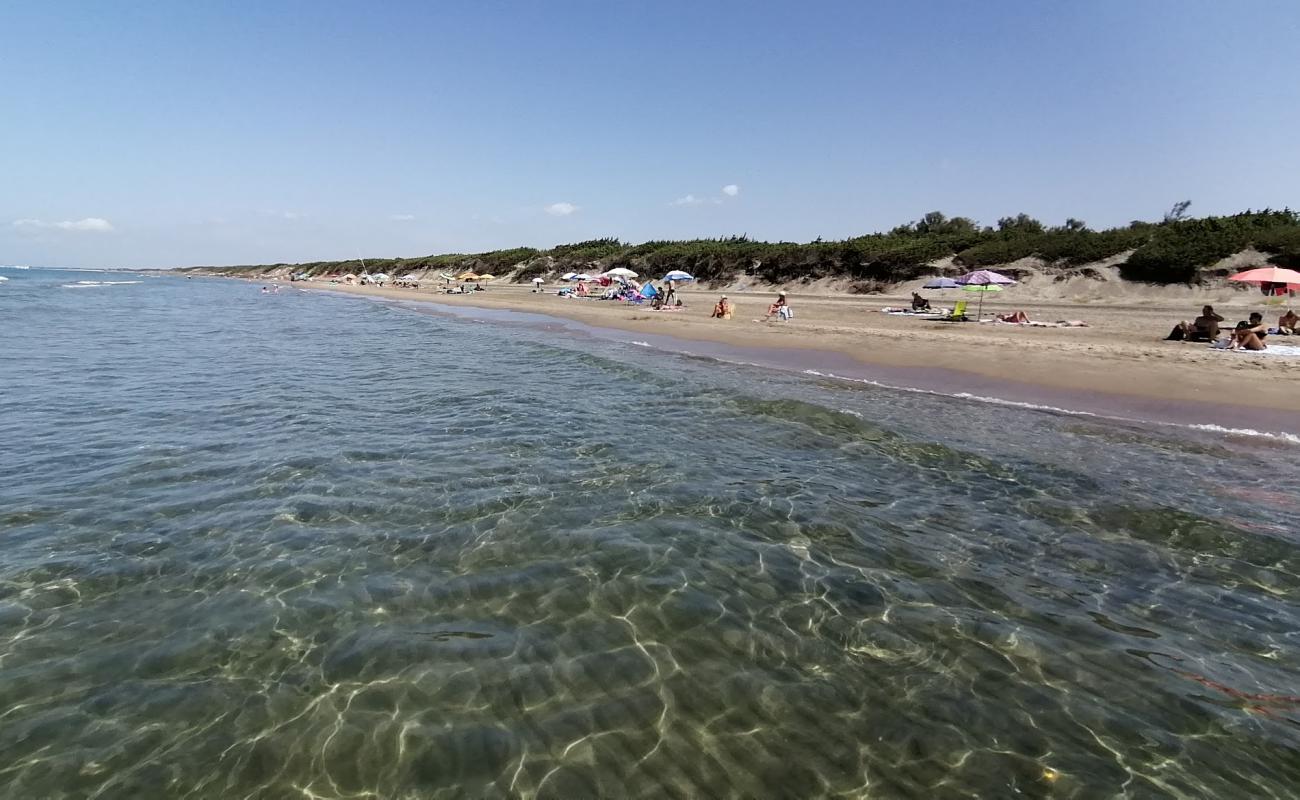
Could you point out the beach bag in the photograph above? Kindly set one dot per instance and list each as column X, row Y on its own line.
column 786, row 312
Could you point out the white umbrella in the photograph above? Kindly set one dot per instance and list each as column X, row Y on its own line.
column 568, row 276
column 620, row 272
column 538, row 281
column 679, row 276
column 581, row 276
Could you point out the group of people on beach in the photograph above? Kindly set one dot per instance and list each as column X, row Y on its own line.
column 780, row 308
column 1249, row 334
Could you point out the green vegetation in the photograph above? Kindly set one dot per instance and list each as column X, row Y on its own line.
column 1176, row 250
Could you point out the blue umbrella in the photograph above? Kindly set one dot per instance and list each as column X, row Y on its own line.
column 941, row 283
column 679, row 276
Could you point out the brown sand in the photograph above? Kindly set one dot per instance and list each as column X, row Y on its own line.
column 1122, row 352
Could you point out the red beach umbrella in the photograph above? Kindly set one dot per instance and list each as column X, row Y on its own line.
column 1274, row 275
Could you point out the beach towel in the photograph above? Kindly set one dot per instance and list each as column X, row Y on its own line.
column 933, row 313
column 1277, row 350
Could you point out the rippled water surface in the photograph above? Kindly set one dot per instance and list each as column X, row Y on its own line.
column 308, row 546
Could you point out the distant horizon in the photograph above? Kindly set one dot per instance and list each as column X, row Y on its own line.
column 183, row 135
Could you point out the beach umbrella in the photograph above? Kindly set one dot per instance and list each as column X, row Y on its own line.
column 983, row 289
column 678, row 276
column 1278, row 276
column 538, row 281
column 620, row 272
column 581, row 276
column 467, row 276
column 568, row 276
column 983, row 278
column 941, row 283
column 487, row 277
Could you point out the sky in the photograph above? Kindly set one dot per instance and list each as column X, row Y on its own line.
column 170, row 134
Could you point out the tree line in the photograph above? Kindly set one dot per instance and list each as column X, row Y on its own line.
column 1178, row 249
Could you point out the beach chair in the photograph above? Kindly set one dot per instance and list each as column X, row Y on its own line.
column 958, row 313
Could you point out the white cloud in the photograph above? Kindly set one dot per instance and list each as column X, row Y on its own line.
column 688, row 200
column 731, row 190
column 89, row 224
column 402, row 217
column 284, row 214
column 561, row 209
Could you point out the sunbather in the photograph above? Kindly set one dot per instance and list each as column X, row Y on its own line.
column 1288, row 323
column 722, row 310
column 1243, row 338
column 1017, row 317
column 781, row 308
column 1204, row 328
column 1257, row 326
column 919, row 303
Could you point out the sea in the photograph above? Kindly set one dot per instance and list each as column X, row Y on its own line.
column 304, row 545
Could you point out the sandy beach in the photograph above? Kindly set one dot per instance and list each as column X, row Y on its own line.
column 1120, row 352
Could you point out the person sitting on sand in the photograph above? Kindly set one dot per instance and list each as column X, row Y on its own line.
column 781, row 308
column 919, row 303
column 1204, row 328
column 1288, row 323
column 722, row 310
column 1244, row 338
column 1257, row 326
column 1018, row 317
column 582, row 288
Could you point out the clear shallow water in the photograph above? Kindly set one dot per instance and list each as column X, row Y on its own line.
column 301, row 545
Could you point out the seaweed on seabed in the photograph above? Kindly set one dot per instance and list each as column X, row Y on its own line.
column 1193, row 533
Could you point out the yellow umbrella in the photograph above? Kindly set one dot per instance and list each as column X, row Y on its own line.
column 467, row 276
column 487, row 277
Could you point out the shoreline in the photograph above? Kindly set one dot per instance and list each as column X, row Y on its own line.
column 832, row 336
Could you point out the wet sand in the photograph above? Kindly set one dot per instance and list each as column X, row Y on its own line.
column 1120, row 355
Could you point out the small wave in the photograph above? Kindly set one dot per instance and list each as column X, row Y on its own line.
column 641, row 344
column 1278, row 436
column 1285, row 437
column 96, row 284
column 998, row 401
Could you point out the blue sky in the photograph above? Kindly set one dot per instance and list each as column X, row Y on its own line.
column 160, row 134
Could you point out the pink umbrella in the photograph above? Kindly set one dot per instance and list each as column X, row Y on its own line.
column 988, row 279
column 984, row 277
column 1274, row 275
